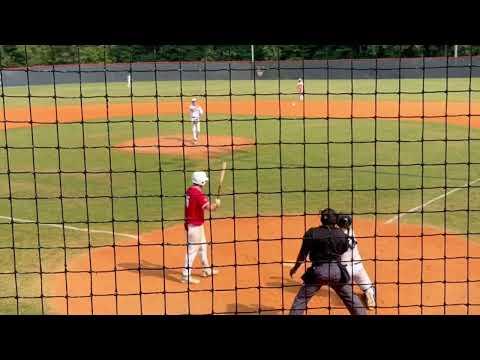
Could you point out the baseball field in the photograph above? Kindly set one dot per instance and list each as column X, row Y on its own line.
column 93, row 178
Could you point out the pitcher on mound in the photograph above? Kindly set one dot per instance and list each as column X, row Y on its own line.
column 196, row 113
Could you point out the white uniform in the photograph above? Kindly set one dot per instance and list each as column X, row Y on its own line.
column 196, row 113
column 354, row 263
column 197, row 245
column 300, row 89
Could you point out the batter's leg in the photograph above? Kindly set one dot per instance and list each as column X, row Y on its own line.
column 203, row 252
column 192, row 251
column 203, row 249
column 193, row 247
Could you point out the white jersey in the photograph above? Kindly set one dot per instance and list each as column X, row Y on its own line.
column 196, row 112
column 352, row 255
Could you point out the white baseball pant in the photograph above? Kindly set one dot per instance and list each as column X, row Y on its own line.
column 195, row 128
column 196, row 244
column 359, row 276
column 354, row 263
column 357, row 271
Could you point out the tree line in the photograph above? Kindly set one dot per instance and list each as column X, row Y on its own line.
column 22, row 55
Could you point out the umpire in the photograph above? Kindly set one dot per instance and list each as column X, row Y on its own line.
column 325, row 245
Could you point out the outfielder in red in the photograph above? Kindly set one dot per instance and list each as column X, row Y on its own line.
column 195, row 206
column 300, row 88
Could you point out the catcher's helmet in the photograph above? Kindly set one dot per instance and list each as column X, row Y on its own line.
column 344, row 221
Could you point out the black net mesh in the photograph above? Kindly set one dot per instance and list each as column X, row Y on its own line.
column 96, row 157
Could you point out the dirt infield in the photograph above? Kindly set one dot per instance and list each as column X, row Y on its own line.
column 409, row 268
column 171, row 145
column 435, row 111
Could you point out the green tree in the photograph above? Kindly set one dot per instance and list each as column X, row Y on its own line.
column 12, row 55
column 19, row 55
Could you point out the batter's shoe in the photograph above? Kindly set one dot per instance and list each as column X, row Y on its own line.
column 370, row 298
column 209, row 272
column 190, row 279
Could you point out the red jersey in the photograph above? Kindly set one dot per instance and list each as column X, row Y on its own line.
column 196, row 203
column 300, row 88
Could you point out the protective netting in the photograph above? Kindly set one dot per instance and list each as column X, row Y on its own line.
column 96, row 158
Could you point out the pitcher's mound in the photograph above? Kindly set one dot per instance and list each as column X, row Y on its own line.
column 177, row 145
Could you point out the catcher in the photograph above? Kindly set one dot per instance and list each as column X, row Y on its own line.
column 354, row 262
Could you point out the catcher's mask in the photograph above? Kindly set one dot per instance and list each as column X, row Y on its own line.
column 344, row 221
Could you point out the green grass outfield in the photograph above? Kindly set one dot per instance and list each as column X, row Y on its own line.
column 290, row 171
column 455, row 89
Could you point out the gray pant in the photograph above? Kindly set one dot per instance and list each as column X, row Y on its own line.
column 328, row 274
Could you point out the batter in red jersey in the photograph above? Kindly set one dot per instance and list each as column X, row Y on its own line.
column 195, row 206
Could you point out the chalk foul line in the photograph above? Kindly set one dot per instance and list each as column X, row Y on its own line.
column 399, row 216
column 58, row 226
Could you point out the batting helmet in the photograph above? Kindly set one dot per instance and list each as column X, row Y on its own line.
column 328, row 217
column 199, row 178
column 344, row 221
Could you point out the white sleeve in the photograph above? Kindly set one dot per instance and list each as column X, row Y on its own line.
column 356, row 251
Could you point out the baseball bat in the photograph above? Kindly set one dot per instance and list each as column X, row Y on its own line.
column 222, row 176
